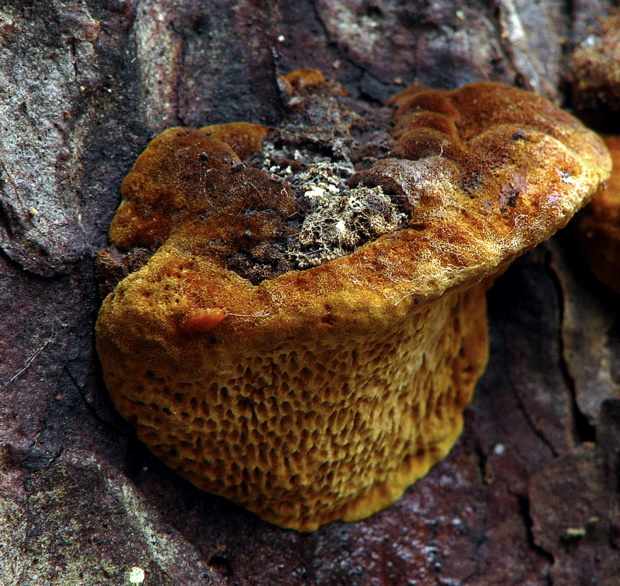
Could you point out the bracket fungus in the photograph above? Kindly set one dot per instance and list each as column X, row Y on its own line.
column 311, row 323
column 597, row 228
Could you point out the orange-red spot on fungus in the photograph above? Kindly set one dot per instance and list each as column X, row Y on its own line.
column 198, row 321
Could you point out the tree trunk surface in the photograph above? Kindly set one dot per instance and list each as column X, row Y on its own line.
column 529, row 495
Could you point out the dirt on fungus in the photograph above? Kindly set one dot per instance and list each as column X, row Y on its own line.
column 325, row 139
column 318, row 149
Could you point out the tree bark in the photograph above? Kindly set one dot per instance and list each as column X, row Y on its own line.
column 529, row 495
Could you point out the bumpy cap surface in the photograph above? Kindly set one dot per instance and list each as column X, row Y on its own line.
column 321, row 394
column 598, row 227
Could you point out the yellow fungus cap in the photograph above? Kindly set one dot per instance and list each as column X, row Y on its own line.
column 322, row 394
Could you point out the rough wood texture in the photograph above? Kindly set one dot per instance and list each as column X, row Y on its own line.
column 529, row 495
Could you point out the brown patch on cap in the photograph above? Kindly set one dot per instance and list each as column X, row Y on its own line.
column 242, row 137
